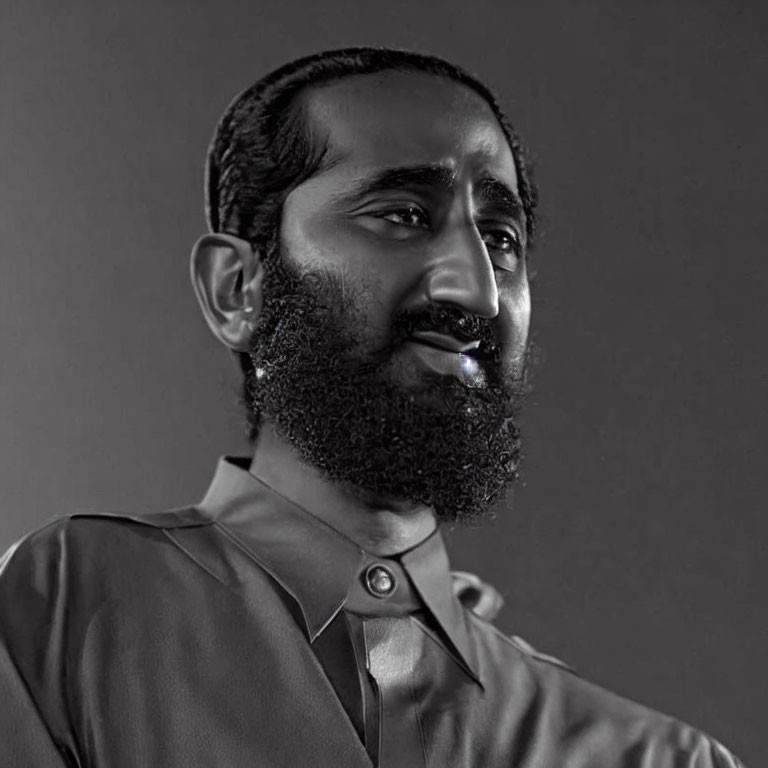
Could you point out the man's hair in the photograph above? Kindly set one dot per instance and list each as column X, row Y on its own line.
column 264, row 147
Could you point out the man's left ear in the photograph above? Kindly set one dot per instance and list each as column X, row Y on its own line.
column 228, row 275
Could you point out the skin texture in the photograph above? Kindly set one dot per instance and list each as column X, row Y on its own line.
column 440, row 244
column 393, row 120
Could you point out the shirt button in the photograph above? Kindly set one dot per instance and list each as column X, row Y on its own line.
column 380, row 581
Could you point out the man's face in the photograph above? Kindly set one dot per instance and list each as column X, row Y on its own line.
column 392, row 344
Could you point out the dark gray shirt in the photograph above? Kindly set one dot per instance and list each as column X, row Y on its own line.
column 245, row 632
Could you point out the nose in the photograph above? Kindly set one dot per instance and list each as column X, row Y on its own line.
column 460, row 272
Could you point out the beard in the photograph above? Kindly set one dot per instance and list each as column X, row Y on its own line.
column 340, row 401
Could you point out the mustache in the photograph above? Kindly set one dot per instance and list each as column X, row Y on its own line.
column 451, row 321
column 321, row 294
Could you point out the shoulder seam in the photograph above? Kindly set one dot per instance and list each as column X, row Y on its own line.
column 526, row 648
column 164, row 520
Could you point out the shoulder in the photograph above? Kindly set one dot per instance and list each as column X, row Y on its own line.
column 606, row 720
column 85, row 544
column 57, row 579
column 76, row 584
column 79, row 527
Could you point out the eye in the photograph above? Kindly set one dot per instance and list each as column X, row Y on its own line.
column 406, row 216
column 503, row 240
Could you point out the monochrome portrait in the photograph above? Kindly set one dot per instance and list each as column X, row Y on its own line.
column 383, row 385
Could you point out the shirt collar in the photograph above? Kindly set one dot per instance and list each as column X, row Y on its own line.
column 317, row 565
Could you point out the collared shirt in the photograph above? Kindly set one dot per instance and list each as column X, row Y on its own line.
column 228, row 634
column 326, row 574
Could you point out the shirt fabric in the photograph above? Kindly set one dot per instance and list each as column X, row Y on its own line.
column 242, row 632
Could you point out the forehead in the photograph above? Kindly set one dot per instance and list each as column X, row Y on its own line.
column 391, row 119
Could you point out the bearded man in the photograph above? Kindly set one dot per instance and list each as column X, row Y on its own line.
column 370, row 216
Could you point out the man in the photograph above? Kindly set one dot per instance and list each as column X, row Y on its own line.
column 371, row 212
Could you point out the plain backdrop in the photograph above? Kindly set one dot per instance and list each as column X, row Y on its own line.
column 635, row 549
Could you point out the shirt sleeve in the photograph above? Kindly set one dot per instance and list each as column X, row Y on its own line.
column 26, row 740
column 722, row 758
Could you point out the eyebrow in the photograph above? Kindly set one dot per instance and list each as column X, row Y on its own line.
column 490, row 190
column 441, row 176
column 501, row 196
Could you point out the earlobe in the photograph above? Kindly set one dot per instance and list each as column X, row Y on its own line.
column 227, row 276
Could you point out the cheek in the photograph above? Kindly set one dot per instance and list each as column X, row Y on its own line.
column 339, row 246
column 515, row 320
column 379, row 273
column 368, row 280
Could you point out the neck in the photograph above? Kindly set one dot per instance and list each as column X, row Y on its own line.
column 380, row 526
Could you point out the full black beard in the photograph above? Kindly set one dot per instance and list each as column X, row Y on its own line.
column 329, row 393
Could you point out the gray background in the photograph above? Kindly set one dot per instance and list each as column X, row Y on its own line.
column 636, row 548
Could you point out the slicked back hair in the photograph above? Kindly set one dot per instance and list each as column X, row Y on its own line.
column 263, row 148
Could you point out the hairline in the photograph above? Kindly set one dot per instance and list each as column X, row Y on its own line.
column 325, row 157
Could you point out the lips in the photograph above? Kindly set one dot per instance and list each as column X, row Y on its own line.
column 445, row 342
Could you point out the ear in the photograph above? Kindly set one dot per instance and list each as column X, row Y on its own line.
column 227, row 275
